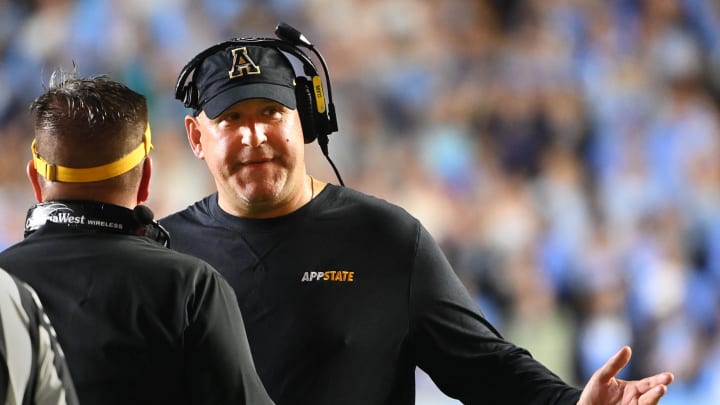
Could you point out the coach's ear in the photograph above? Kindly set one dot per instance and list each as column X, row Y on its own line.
column 32, row 175
column 194, row 135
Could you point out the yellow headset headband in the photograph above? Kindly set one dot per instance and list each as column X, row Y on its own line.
column 89, row 174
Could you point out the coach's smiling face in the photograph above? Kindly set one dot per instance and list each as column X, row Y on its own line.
column 255, row 153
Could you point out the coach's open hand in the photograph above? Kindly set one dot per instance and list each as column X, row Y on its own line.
column 604, row 389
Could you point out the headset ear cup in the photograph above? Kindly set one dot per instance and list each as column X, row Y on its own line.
column 306, row 108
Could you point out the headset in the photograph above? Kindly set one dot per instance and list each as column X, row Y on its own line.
column 317, row 115
column 98, row 217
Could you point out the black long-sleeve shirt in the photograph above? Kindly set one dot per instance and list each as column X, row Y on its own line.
column 139, row 323
column 343, row 298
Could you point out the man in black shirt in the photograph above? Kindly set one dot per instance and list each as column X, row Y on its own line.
column 343, row 294
column 139, row 323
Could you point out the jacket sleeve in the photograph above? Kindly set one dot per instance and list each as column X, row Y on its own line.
column 220, row 368
column 461, row 351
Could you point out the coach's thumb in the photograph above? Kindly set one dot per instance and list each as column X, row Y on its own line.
column 613, row 366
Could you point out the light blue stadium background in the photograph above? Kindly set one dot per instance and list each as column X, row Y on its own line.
column 565, row 153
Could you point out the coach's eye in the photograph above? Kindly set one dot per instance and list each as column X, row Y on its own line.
column 231, row 116
column 273, row 112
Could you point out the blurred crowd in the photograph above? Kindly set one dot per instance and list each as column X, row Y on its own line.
column 565, row 153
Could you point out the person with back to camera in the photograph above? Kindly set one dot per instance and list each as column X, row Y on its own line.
column 32, row 364
column 343, row 294
column 140, row 323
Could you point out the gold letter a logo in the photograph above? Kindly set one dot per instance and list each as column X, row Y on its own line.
column 242, row 64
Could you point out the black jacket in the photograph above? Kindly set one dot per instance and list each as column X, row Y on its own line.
column 139, row 323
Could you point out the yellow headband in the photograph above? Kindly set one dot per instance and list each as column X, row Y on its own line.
column 85, row 175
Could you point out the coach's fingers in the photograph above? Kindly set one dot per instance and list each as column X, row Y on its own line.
column 610, row 369
column 653, row 387
column 648, row 383
column 653, row 396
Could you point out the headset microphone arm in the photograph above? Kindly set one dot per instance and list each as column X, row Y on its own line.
column 288, row 33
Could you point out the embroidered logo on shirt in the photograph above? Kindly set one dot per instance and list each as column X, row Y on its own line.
column 338, row 276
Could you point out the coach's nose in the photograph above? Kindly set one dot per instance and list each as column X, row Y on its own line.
column 253, row 135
